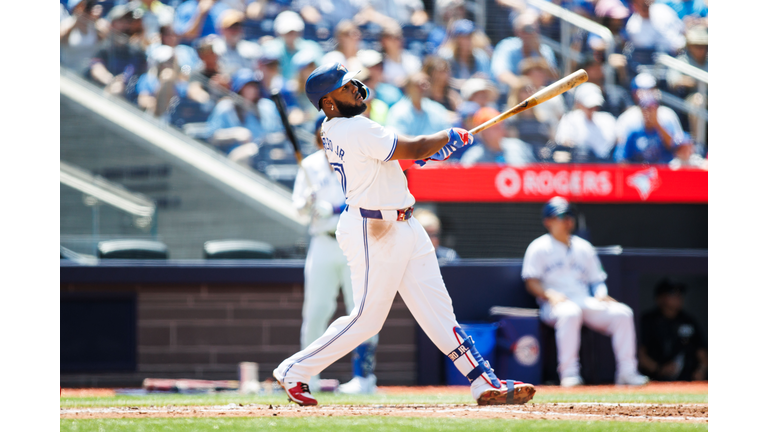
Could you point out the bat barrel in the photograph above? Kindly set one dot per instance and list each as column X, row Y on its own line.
column 543, row 95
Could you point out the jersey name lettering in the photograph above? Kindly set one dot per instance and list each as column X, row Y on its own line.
column 328, row 146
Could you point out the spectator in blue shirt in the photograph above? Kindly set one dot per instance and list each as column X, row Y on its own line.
column 650, row 143
column 415, row 114
column 288, row 28
column 328, row 13
column 688, row 10
column 231, row 125
column 510, row 52
column 374, row 62
column 439, row 72
column 121, row 60
column 466, row 61
column 197, row 18
column 163, row 72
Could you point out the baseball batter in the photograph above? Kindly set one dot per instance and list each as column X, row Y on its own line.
column 388, row 251
column 564, row 273
column 318, row 192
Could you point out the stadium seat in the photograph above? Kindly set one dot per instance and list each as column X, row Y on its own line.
column 237, row 249
column 132, row 249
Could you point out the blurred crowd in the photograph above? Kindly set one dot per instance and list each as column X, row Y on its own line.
column 209, row 67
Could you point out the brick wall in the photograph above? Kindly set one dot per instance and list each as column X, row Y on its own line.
column 204, row 331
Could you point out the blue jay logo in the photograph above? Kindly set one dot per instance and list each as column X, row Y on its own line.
column 645, row 182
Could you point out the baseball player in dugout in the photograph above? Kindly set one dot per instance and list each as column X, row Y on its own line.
column 564, row 273
column 388, row 251
column 317, row 192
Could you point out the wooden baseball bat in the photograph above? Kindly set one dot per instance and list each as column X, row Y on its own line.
column 278, row 100
column 283, row 111
column 543, row 95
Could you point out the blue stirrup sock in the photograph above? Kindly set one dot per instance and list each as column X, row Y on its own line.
column 481, row 367
column 364, row 360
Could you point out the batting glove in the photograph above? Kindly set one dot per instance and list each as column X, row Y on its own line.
column 457, row 138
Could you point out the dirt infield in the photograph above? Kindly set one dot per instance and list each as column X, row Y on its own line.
column 688, row 413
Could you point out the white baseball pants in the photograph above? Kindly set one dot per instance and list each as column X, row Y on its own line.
column 611, row 318
column 385, row 257
column 325, row 271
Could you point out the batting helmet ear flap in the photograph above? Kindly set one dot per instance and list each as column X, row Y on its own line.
column 362, row 88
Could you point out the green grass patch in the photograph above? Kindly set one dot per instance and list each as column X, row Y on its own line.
column 340, row 399
column 335, row 424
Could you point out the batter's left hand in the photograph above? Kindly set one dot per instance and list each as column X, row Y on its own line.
column 457, row 138
column 606, row 298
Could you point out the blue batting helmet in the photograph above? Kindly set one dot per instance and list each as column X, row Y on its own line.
column 557, row 206
column 328, row 78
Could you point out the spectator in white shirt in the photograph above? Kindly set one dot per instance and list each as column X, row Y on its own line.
column 590, row 132
column 348, row 43
column 398, row 63
column 655, row 26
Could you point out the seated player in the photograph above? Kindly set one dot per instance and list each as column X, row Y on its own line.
column 563, row 272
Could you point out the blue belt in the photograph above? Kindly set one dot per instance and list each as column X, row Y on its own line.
column 402, row 215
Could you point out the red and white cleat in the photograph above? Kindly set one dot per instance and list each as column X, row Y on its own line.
column 298, row 392
column 518, row 395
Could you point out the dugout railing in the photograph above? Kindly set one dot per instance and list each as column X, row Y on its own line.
column 97, row 192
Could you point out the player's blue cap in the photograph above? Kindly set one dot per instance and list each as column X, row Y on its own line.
column 319, row 121
column 557, row 206
column 326, row 79
column 243, row 77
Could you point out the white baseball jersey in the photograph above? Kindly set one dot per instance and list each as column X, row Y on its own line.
column 359, row 150
column 325, row 185
column 567, row 270
column 385, row 256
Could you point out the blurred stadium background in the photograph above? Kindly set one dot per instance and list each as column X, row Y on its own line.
column 182, row 254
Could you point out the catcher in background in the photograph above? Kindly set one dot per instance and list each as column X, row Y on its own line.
column 564, row 273
column 317, row 192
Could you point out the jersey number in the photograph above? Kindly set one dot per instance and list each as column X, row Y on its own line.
column 339, row 168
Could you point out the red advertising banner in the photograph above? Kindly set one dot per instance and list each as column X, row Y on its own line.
column 579, row 183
